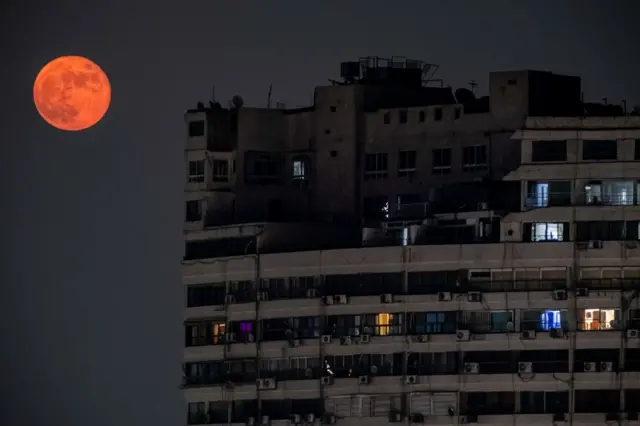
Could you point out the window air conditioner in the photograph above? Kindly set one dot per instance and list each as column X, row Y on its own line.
column 463, row 335
column 606, row 366
column 559, row 295
column 326, row 338
column 590, row 367
column 528, row 335
column 326, row 380
column 633, row 333
column 471, row 368
column 386, row 298
column 474, row 296
column 525, row 367
column 444, row 296
column 364, row 380
column 410, row 380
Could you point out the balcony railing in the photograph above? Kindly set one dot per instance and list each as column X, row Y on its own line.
column 581, row 199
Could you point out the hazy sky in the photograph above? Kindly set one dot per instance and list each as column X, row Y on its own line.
column 91, row 222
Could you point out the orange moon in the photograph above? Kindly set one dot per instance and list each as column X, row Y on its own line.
column 72, row 93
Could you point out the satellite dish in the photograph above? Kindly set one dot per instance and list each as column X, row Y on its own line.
column 464, row 95
column 237, row 101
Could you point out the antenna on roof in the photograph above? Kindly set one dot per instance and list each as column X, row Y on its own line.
column 213, row 93
column 269, row 96
column 473, row 85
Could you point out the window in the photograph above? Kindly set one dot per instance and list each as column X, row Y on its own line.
column 433, row 322
column 300, row 172
column 636, row 154
column 376, row 166
column 441, row 161
column 597, row 401
column 542, row 151
column 543, row 320
column 421, row 116
column 332, row 108
column 437, row 114
column 387, row 118
column 406, row 163
column 457, row 113
column 609, row 192
column 474, row 158
column 196, row 128
column 544, row 402
column 197, row 413
column 488, row 321
column 613, row 230
column 263, row 168
column 220, row 170
column 193, row 211
column 598, row 319
column 552, row 193
column 196, row 171
column 547, row 231
column 599, row 150
column 402, row 116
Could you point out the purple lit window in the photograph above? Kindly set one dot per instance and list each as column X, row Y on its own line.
column 246, row 328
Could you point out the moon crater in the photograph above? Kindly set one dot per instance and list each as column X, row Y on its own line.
column 72, row 93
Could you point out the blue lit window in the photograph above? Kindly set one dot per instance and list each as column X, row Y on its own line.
column 550, row 319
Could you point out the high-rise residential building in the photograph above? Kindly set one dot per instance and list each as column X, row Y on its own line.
column 401, row 253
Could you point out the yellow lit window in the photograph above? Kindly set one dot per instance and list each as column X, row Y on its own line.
column 218, row 333
column 383, row 324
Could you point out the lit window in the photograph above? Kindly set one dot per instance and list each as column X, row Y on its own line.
column 598, row 319
column 551, row 319
column 547, row 232
column 218, row 333
column 383, row 322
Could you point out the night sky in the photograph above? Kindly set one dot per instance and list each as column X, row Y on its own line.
column 91, row 298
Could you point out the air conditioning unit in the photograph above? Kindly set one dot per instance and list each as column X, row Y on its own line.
column 326, row 380
column 471, row 368
column 328, row 300
column 596, row 244
column 556, row 333
column 342, row 299
column 251, row 421
column 266, row 384
column 483, row 206
column 366, row 338
column 582, row 245
column 590, row 367
column 345, row 340
column 296, row 419
column 474, row 296
column 410, row 380
column 633, row 333
column 606, row 366
column 463, row 335
column 528, row 335
column 230, row 337
column 326, row 338
column 229, row 299
column 423, row 338
column 329, row 419
column 582, row 292
column 250, row 338
column 559, row 295
column 265, row 421
column 525, row 367
column 364, row 380
column 295, row 343
column 311, row 418
column 386, row 298
column 444, row 296
column 312, row 293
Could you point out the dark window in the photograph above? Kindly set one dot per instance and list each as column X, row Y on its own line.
column 437, row 114
column 441, row 161
column 402, row 116
column 333, row 154
column 512, row 82
column 421, row 116
column 196, row 171
column 197, row 413
column 487, row 403
column 599, row 150
column 406, row 163
column 196, row 128
column 301, row 172
column 387, row 118
column 376, row 166
column 205, row 295
column 597, row 401
column 220, row 170
column 332, row 108
column 262, row 168
column 637, row 149
column 542, row 151
column 193, row 211
column 457, row 114
column 375, row 208
column 474, row 157
column 602, row 231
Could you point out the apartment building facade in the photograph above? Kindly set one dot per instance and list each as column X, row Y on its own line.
column 534, row 319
